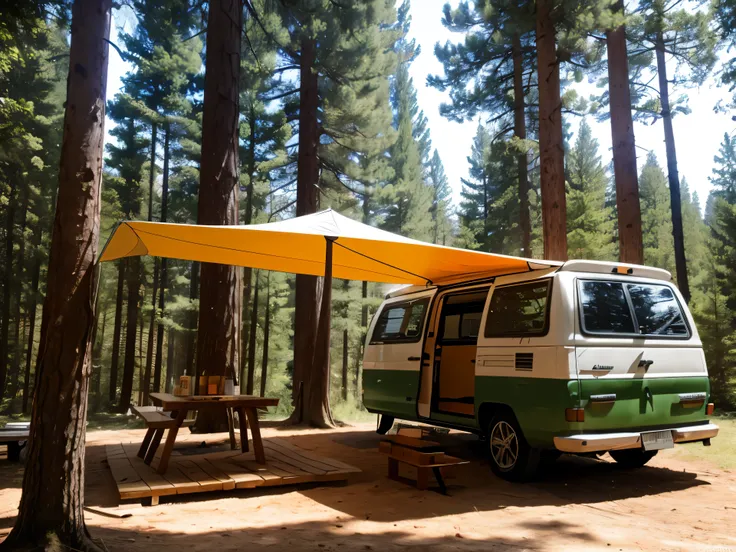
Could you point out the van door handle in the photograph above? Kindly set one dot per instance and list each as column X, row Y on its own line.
column 645, row 363
column 413, row 358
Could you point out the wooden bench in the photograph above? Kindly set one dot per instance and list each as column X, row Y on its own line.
column 156, row 421
column 425, row 456
column 13, row 438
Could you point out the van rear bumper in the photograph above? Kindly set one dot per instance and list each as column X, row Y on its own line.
column 597, row 442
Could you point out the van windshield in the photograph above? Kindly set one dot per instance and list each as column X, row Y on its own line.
column 630, row 309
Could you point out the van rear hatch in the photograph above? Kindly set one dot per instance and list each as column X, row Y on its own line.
column 639, row 360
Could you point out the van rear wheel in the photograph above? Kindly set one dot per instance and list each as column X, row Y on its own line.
column 632, row 458
column 511, row 456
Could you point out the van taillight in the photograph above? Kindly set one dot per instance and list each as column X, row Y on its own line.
column 709, row 409
column 574, row 415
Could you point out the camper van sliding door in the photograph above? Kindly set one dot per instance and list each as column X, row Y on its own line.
column 395, row 349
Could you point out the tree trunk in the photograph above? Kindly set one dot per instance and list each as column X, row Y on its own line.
column 164, row 265
column 631, row 248
column 51, row 506
column 134, row 284
column 7, row 280
column 218, row 341
column 551, row 145
column 266, row 336
column 345, row 364
column 116, row 333
column 306, row 303
column 171, row 379
column 672, row 174
column 316, row 411
column 152, row 170
column 97, row 354
column 31, row 308
column 248, row 219
column 252, row 339
column 520, row 133
column 151, row 336
column 189, row 367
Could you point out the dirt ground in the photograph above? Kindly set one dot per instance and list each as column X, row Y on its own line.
column 578, row 504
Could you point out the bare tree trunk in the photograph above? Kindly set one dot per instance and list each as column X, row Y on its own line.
column 151, row 335
column 248, row 219
column 345, row 364
column 7, row 281
column 631, row 248
column 520, row 133
column 32, row 308
column 266, row 336
column 218, row 341
column 134, row 284
column 112, row 394
column 192, row 317
column 97, row 354
column 551, row 145
column 252, row 339
column 170, row 349
column 672, row 173
column 317, row 412
column 51, row 507
column 306, row 303
column 164, row 265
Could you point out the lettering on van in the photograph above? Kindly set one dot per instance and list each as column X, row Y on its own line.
column 602, row 367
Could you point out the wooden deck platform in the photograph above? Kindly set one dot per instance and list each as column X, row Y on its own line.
column 286, row 464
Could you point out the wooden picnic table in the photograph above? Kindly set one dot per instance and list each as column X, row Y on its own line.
column 180, row 406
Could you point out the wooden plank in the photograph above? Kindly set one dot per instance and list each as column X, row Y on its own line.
column 197, row 475
column 159, row 485
column 411, row 442
column 200, row 402
column 129, row 483
column 298, row 454
column 228, row 483
column 244, row 479
column 181, row 482
column 292, row 460
column 337, row 464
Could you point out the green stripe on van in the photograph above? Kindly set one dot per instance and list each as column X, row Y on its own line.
column 387, row 391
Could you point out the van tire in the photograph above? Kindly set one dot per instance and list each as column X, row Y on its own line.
column 515, row 460
column 387, row 422
column 632, row 458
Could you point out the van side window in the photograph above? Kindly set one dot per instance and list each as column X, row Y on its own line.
column 630, row 309
column 605, row 309
column 400, row 322
column 519, row 310
column 657, row 310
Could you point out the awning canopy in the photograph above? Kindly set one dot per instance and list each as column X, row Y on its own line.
column 297, row 245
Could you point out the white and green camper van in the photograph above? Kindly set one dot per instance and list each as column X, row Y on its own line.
column 588, row 357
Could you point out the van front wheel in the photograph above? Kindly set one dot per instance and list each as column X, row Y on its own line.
column 511, row 456
column 632, row 458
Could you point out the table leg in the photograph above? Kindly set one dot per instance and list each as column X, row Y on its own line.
column 255, row 428
column 170, row 439
column 393, row 468
column 422, row 478
column 440, row 480
column 243, row 429
column 146, row 442
column 154, row 446
column 231, row 427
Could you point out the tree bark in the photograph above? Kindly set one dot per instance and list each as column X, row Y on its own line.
column 97, row 354
column 520, row 133
column 152, row 170
column 631, row 248
column 551, row 145
column 112, row 394
column 151, row 335
column 31, row 308
column 316, row 410
column 164, row 265
column 189, row 367
column 306, row 303
column 266, row 336
column 252, row 339
column 171, row 379
column 7, row 280
column 248, row 219
column 51, row 507
column 218, row 342
column 672, row 173
column 345, row 364
column 134, row 284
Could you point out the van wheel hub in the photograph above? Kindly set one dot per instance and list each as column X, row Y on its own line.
column 504, row 445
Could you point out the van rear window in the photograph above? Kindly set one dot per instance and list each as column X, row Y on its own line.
column 519, row 310
column 400, row 322
column 630, row 309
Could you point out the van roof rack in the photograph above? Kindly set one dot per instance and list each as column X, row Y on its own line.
column 624, row 269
